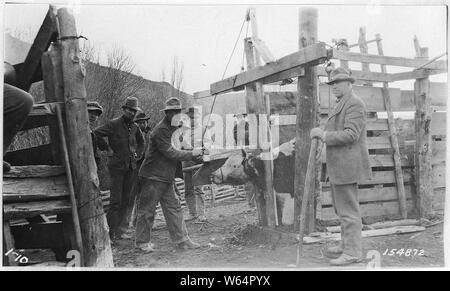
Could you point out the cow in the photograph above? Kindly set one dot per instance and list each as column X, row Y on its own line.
column 244, row 167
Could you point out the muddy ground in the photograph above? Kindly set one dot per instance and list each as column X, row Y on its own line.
column 231, row 239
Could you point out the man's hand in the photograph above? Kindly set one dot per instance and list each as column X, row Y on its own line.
column 288, row 148
column 197, row 153
column 317, row 132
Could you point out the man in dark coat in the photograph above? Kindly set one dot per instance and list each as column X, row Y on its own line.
column 126, row 141
column 142, row 122
column 347, row 160
column 156, row 182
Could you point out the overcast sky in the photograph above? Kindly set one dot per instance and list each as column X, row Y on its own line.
column 203, row 36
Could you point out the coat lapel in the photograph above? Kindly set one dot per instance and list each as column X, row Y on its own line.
column 340, row 105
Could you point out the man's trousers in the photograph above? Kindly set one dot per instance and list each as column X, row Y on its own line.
column 121, row 184
column 346, row 205
column 151, row 193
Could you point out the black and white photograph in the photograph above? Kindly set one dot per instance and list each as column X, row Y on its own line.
column 215, row 136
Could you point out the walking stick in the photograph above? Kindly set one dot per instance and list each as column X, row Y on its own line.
column 309, row 185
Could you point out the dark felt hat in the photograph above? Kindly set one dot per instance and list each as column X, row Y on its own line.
column 340, row 74
column 94, row 106
column 173, row 103
column 132, row 103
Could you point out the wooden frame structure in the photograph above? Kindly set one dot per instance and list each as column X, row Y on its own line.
column 310, row 113
column 68, row 187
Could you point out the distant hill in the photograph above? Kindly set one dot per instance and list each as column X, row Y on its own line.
column 151, row 94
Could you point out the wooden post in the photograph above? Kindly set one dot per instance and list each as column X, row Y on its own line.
column 97, row 245
column 54, row 92
column 394, row 139
column 49, row 62
column 309, row 185
column 255, row 105
column 422, row 100
column 364, row 49
column 344, row 47
column 307, row 105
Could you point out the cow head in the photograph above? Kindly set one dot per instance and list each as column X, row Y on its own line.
column 233, row 170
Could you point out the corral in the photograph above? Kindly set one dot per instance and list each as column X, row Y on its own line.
column 58, row 205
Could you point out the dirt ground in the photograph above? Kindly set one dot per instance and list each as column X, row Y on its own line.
column 231, row 239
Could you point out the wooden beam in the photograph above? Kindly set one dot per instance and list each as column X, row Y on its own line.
column 386, row 60
column 307, row 105
column 30, row 71
column 263, row 50
column 422, row 100
column 93, row 223
column 416, row 74
column 394, row 140
column 31, row 209
column 38, row 171
column 311, row 55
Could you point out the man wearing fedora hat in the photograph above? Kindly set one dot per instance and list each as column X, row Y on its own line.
column 156, row 182
column 126, row 141
column 142, row 122
column 347, row 159
column 94, row 111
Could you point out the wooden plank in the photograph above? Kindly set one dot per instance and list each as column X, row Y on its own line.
column 438, row 176
column 372, row 97
column 438, row 94
column 38, row 171
column 30, row 209
column 378, row 142
column 39, row 155
column 325, row 237
column 424, row 183
column 387, row 161
column 381, row 177
column 387, row 60
column 377, row 124
column 312, row 55
column 370, row 195
column 93, row 222
column 306, row 118
column 416, row 74
column 370, row 209
column 30, row 71
column 34, row 189
column 439, row 149
column 438, row 124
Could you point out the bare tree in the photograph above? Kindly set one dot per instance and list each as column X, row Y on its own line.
column 177, row 76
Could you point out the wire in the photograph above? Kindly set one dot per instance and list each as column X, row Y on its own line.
column 223, row 77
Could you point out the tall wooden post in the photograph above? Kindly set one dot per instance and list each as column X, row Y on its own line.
column 422, row 100
column 307, row 105
column 363, row 48
column 254, row 60
column 94, row 228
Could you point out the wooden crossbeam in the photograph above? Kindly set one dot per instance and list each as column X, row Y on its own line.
column 311, row 55
column 386, row 60
column 30, row 71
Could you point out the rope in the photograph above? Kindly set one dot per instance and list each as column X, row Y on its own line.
column 223, row 77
